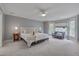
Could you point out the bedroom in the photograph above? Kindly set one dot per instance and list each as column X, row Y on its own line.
column 31, row 23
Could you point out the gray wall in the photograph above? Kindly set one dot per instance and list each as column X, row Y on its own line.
column 12, row 21
column 77, row 23
column 46, row 27
column 2, row 28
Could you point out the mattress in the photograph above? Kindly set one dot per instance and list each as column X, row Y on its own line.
column 40, row 36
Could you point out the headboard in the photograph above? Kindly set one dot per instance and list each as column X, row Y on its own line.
column 28, row 30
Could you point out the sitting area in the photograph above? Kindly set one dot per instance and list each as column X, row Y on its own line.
column 58, row 35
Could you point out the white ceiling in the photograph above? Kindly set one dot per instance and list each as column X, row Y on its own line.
column 56, row 11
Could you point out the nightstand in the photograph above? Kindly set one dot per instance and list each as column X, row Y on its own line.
column 16, row 36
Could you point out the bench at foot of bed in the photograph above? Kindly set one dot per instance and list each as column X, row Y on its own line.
column 38, row 42
column 29, row 44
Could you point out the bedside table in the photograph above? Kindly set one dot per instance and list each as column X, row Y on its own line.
column 16, row 36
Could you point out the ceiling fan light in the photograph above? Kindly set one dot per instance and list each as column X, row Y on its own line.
column 43, row 14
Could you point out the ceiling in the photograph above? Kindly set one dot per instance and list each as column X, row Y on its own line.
column 55, row 11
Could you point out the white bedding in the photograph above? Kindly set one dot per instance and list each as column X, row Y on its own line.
column 32, row 38
column 40, row 36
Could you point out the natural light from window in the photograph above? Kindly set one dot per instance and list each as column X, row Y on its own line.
column 72, row 28
column 51, row 28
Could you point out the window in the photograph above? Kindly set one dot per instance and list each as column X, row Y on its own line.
column 60, row 29
column 51, row 28
column 72, row 28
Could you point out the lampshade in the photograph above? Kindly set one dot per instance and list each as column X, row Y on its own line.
column 16, row 28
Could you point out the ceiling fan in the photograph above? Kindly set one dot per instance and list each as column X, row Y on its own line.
column 43, row 12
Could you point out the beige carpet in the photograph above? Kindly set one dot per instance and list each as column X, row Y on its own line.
column 51, row 47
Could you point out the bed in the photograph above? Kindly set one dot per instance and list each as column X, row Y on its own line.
column 31, row 35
